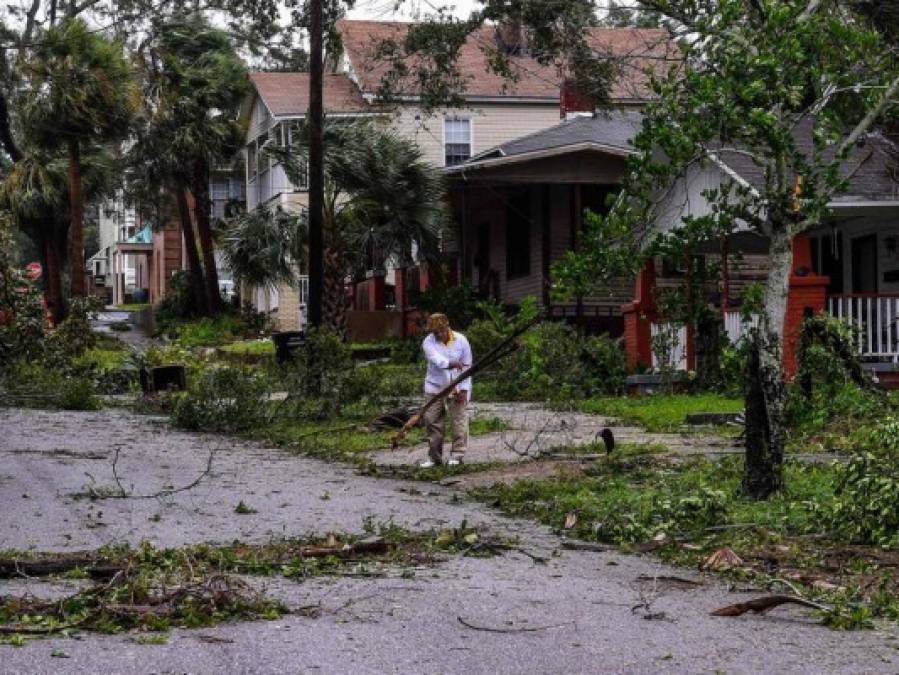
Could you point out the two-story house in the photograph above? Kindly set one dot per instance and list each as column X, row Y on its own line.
column 496, row 110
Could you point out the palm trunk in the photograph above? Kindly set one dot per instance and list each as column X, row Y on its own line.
column 204, row 229
column 54, row 281
column 76, row 232
column 193, row 256
column 334, row 299
column 766, row 392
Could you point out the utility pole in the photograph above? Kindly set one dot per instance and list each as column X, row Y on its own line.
column 316, row 164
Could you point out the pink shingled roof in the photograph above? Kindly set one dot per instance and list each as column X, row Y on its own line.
column 636, row 49
column 288, row 93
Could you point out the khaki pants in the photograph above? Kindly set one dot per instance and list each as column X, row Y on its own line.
column 434, row 419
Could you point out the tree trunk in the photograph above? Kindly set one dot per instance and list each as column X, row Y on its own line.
column 316, row 163
column 766, row 387
column 76, row 231
column 334, row 299
column 204, row 229
column 54, row 280
column 197, row 283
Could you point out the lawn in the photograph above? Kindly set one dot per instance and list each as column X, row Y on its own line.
column 250, row 348
column 133, row 307
column 686, row 511
column 659, row 412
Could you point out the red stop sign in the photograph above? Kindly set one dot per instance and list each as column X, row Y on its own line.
column 34, row 270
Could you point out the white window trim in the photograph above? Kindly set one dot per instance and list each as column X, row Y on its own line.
column 459, row 118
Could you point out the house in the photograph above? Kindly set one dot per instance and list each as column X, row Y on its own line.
column 496, row 110
column 520, row 205
column 138, row 256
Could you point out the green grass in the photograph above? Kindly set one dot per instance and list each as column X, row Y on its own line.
column 697, row 507
column 250, row 348
column 659, row 412
column 209, row 332
column 102, row 360
column 133, row 307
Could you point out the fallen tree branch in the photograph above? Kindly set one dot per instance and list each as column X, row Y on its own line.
column 496, row 354
column 763, row 604
column 124, row 494
column 11, row 567
column 529, row 629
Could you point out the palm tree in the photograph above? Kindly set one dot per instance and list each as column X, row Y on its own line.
column 81, row 90
column 262, row 246
column 382, row 200
column 200, row 82
column 35, row 193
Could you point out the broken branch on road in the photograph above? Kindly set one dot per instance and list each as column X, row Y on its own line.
column 520, row 629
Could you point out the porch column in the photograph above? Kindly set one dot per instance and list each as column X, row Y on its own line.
column 399, row 288
column 807, row 294
column 638, row 318
column 376, row 293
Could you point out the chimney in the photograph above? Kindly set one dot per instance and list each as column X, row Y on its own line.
column 572, row 101
column 511, row 37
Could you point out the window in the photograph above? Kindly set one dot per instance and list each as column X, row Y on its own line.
column 220, row 188
column 457, row 140
column 518, row 235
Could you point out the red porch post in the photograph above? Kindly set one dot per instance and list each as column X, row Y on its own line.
column 638, row 317
column 377, row 297
column 808, row 293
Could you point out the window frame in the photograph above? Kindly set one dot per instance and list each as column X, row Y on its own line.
column 457, row 118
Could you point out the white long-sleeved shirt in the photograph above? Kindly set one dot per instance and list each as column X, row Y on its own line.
column 439, row 356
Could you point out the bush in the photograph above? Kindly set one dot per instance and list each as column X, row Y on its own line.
column 179, row 303
column 37, row 386
column 223, row 399
column 210, row 332
column 324, row 378
column 553, row 363
column 864, row 509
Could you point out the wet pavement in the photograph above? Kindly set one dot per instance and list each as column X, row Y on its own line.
column 589, row 610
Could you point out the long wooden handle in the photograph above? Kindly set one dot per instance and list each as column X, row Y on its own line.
column 502, row 350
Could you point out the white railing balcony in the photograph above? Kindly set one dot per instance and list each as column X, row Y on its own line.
column 875, row 318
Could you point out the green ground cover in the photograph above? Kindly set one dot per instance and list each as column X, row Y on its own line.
column 659, row 412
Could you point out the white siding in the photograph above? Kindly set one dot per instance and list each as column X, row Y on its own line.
column 491, row 125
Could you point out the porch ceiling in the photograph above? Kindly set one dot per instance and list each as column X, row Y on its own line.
column 586, row 163
column 133, row 248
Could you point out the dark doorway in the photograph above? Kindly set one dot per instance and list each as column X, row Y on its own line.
column 864, row 264
column 829, row 261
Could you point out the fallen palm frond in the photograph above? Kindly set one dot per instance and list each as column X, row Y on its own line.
column 763, row 604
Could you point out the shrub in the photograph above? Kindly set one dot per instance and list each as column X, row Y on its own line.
column 223, row 399
column 324, row 379
column 38, row 386
column 179, row 303
column 210, row 332
column 864, row 509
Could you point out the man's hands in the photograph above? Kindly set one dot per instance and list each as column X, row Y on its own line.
column 455, row 365
column 461, row 397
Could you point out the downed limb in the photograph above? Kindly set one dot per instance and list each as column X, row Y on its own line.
column 496, row 354
column 122, row 493
column 763, row 604
column 42, row 567
column 523, row 629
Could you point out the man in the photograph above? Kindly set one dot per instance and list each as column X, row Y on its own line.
column 448, row 354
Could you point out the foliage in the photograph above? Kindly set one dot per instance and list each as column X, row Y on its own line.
column 179, row 303
column 324, row 378
column 460, row 303
column 23, row 327
column 660, row 412
column 223, row 399
column 35, row 385
column 264, row 247
column 209, row 332
column 864, row 505
column 552, row 363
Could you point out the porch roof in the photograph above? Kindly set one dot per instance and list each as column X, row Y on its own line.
column 604, row 133
column 870, row 168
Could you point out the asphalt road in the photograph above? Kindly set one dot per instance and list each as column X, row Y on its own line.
column 581, row 603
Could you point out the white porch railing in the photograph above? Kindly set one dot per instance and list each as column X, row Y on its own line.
column 875, row 319
column 736, row 328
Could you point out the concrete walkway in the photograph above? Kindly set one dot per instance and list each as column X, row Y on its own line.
column 594, row 612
